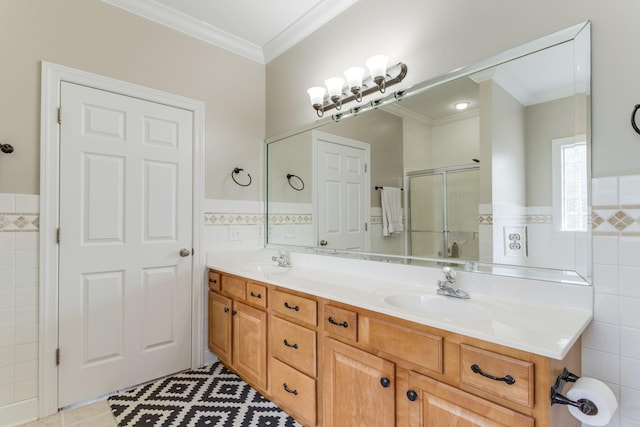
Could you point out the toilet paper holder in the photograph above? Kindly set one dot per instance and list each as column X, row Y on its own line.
column 585, row 406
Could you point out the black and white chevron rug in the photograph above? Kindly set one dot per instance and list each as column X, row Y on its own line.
column 211, row 396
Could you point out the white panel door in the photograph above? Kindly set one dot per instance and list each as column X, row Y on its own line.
column 125, row 214
column 343, row 192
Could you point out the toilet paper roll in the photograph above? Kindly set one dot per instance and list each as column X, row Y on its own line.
column 597, row 392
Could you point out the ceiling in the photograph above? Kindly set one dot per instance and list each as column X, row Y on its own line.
column 256, row 29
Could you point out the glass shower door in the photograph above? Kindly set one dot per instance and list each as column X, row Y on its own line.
column 443, row 213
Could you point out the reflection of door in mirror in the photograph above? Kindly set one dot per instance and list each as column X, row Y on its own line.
column 444, row 213
column 343, row 188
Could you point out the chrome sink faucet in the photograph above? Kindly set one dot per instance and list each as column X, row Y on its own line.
column 448, row 287
column 282, row 260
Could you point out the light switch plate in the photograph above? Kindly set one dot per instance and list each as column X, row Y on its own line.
column 234, row 232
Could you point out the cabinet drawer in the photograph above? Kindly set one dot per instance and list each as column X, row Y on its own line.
column 214, row 281
column 518, row 373
column 257, row 294
column 341, row 322
column 413, row 345
column 233, row 287
column 295, row 390
column 299, row 308
column 294, row 345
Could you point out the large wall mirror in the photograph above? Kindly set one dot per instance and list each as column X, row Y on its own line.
column 500, row 186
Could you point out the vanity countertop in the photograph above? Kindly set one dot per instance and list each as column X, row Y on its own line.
column 538, row 317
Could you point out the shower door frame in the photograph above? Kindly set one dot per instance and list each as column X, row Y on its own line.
column 431, row 172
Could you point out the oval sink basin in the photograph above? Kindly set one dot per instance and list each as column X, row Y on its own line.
column 446, row 308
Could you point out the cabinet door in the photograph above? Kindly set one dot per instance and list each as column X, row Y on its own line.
column 250, row 343
column 220, row 326
column 358, row 388
column 435, row 404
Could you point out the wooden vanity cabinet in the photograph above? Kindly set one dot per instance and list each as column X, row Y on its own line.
column 238, row 331
column 332, row 364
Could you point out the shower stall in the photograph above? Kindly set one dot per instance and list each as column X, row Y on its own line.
column 443, row 212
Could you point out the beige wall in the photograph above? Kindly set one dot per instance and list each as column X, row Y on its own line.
column 93, row 36
column 435, row 36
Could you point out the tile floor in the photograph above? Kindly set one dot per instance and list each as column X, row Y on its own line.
column 96, row 414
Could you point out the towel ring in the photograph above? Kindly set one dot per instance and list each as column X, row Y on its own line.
column 633, row 118
column 300, row 186
column 237, row 171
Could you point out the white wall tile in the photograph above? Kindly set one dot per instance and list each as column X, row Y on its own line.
column 7, row 241
column 629, row 251
column 6, row 298
column 7, row 279
column 7, row 260
column 26, row 316
column 604, row 191
column 605, row 250
column 7, row 203
column 25, row 297
column 606, row 308
column 630, row 373
column 6, row 318
column 6, row 337
column 600, row 365
column 25, row 390
column 26, row 334
column 26, row 259
column 602, row 336
column 27, row 203
column 6, row 356
column 630, row 281
column 630, row 342
column 26, row 241
column 605, row 278
column 26, row 371
column 26, row 352
column 629, row 190
column 6, row 375
column 629, row 404
column 6, row 394
column 629, row 312
column 26, row 277
column 627, row 422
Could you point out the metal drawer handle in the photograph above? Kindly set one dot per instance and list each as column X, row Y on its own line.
column 213, row 281
column 226, row 309
column 255, row 295
column 294, row 346
column 286, row 388
column 507, row 378
column 295, row 307
column 343, row 324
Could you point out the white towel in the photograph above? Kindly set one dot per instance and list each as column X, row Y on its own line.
column 391, row 201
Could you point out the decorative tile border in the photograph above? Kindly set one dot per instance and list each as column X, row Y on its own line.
column 485, row 219
column 283, row 219
column 608, row 220
column 217, row 218
column 19, row 222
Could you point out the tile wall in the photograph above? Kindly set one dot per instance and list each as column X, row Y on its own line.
column 611, row 345
column 19, row 242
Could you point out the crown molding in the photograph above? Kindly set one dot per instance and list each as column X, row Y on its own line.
column 315, row 18
column 163, row 15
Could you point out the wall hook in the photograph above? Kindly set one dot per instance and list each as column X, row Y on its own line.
column 6, row 148
column 633, row 118
column 299, row 186
column 237, row 171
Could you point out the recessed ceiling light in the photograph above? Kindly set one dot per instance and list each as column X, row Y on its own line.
column 463, row 105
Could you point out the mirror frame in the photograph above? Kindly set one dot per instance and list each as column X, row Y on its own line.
column 546, row 274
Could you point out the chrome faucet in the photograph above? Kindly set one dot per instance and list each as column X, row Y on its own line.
column 282, row 260
column 448, row 287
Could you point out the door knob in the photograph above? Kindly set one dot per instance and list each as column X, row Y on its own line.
column 323, row 243
column 185, row 252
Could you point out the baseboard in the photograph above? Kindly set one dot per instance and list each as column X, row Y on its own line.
column 19, row 413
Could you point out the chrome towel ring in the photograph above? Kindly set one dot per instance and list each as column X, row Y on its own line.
column 299, row 183
column 237, row 171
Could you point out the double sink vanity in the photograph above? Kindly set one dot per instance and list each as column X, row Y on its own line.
column 345, row 342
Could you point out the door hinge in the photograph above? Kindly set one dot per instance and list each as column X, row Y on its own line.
column 58, row 236
column 193, row 252
column 365, row 168
column 366, row 226
column 60, row 115
column 57, row 357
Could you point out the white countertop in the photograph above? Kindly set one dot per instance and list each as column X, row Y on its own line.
column 539, row 317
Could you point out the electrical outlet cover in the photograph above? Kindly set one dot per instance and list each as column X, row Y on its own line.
column 515, row 240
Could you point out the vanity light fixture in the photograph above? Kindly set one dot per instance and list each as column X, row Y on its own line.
column 357, row 85
column 462, row 105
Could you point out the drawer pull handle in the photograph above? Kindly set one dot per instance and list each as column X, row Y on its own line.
column 255, row 295
column 343, row 324
column 412, row 395
column 294, row 346
column 226, row 309
column 507, row 378
column 213, row 281
column 385, row 382
column 288, row 390
column 295, row 307
column 234, row 312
